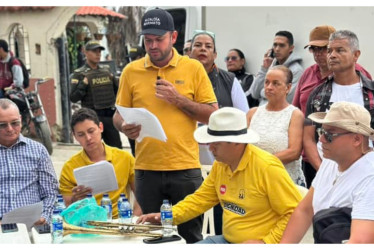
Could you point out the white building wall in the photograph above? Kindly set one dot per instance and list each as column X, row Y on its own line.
column 252, row 29
column 43, row 28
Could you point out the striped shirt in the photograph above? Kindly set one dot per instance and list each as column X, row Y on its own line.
column 27, row 176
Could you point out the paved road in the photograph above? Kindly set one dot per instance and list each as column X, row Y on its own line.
column 63, row 152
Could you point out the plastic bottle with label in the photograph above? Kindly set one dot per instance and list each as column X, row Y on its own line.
column 166, row 218
column 107, row 204
column 56, row 227
column 124, row 210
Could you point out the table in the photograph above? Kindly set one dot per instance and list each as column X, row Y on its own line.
column 20, row 237
column 95, row 239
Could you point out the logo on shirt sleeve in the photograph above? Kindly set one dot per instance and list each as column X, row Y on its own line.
column 222, row 189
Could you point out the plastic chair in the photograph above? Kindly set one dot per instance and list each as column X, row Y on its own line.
column 208, row 215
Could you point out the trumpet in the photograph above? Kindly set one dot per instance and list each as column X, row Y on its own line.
column 112, row 228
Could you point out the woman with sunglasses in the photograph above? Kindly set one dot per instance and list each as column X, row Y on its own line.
column 235, row 63
column 280, row 124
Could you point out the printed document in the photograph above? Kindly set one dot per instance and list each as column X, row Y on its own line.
column 27, row 215
column 99, row 176
column 151, row 126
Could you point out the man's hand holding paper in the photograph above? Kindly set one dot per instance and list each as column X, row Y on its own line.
column 141, row 123
column 100, row 177
column 80, row 192
column 132, row 131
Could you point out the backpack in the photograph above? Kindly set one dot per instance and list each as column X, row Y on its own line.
column 25, row 73
column 332, row 225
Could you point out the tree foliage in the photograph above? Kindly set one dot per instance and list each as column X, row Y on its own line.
column 124, row 32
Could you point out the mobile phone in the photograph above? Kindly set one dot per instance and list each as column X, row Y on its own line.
column 271, row 54
column 43, row 229
column 9, row 228
column 162, row 239
column 158, row 78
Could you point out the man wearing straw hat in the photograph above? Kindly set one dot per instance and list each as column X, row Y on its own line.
column 344, row 135
column 252, row 186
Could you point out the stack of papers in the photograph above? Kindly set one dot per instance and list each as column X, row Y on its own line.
column 99, row 176
column 151, row 126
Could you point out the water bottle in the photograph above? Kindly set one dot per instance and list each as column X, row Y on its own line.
column 56, row 201
column 56, row 227
column 89, row 196
column 60, row 205
column 166, row 218
column 124, row 210
column 107, row 204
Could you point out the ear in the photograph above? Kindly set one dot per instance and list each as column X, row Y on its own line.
column 289, row 85
column 215, row 55
column 356, row 55
column 101, row 127
column 358, row 140
column 174, row 36
column 242, row 61
column 291, row 48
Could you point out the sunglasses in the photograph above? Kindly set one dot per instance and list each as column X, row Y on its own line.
column 314, row 49
column 232, row 58
column 14, row 124
column 198, row 32
column 330, row 136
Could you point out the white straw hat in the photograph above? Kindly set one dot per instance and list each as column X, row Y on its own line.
column 226, row 124
column 346, row 115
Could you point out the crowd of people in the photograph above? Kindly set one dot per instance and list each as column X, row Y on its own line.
column 269, row 134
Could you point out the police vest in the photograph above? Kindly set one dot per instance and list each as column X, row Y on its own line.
column 102, row 89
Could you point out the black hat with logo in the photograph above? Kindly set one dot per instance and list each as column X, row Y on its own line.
column 157, row 22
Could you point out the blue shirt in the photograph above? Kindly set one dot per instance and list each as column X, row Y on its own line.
column 27, row 176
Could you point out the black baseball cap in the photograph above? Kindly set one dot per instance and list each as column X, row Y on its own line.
column 157, row 22
column 92, row 45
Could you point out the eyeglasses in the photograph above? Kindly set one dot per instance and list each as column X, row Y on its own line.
column 232, row 58
column 209, row 33
column 330, row 136
column 186, row 49
column 14, row 124
column 314, row 49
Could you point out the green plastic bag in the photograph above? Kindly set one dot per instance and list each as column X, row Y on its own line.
column 80, row 212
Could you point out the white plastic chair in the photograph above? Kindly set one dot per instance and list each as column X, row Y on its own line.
column 208, row 215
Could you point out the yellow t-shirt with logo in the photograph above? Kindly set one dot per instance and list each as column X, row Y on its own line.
column 123, row 164
column 137, row 89
column 258, row 198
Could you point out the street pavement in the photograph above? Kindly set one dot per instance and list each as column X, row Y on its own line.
column 62, row 152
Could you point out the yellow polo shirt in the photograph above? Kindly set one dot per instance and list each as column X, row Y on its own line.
column 137, row 89
column 258, row 198
column 123, row 164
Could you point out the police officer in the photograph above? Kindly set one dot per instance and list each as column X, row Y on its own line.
column 95, row 86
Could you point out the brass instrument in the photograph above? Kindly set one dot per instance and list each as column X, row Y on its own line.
column 112, row 228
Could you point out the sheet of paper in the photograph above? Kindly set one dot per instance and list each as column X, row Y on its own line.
column 100, row 176
column 28, row 215
column 151, row 126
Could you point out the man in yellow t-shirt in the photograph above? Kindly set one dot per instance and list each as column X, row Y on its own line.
column 87, row 130
column 177, row 90
column 253, row 187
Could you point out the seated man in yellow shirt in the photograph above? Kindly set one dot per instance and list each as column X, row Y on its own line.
column 252, row 186
column 87, row 131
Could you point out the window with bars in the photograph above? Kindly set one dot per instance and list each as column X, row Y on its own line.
column 19, row 44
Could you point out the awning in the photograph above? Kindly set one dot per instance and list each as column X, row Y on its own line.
column 98, row 11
